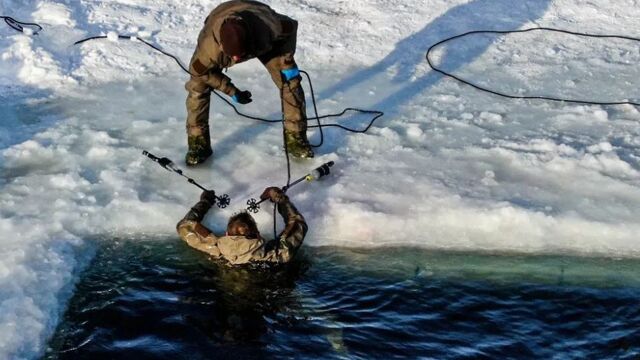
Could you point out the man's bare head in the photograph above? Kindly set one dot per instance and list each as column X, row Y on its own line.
column 243, row 224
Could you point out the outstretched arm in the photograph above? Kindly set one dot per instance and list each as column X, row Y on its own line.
column 193, row 232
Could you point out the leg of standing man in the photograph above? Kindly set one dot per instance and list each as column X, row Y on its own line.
column 284, row 72
column 198, row 101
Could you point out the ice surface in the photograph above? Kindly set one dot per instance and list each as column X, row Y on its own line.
column 446, row 168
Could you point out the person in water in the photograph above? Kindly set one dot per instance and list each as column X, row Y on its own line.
column 242, row 242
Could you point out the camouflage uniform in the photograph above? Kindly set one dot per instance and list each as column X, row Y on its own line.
column 273, row 43
column 239, row 249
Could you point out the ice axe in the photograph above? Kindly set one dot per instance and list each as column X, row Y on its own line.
column 167, row 164
column 323, row 170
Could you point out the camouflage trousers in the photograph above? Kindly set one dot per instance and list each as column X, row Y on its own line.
column 292, row 97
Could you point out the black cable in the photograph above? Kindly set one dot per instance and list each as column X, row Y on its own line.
column 142, row 41
column 315, row 111
column 532, row 97
column 19, row 25
column 376, row 114
column 286, row 153
column 275, row 231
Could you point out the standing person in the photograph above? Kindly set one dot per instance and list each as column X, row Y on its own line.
column 234, row 32
column 242, row 242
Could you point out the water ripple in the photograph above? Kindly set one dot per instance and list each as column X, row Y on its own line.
column 168, row 302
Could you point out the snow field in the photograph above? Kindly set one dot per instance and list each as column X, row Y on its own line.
column 445, row 168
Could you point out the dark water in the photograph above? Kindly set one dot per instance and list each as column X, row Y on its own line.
column 162, row 300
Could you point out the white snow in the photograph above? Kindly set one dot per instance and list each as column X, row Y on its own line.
column 49, row 13
column 112, row 36
column 447, row 167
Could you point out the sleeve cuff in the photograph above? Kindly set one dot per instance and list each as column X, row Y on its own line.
column 289, row 74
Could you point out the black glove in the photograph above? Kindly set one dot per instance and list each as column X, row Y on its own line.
column 208, row 196
column 242, row 97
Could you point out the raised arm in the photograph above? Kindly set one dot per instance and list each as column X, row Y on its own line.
column 291, row 238
column 193, row 232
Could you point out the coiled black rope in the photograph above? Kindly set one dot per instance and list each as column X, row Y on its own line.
column 530, row 97
column 20, row 25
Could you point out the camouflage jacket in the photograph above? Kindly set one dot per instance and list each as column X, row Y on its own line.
column 239, row 249
column 269, row 31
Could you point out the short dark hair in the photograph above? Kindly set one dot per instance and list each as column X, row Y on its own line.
column 242, row 224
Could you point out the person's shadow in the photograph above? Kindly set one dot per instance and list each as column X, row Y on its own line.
column 409, row 55
column 410, row 52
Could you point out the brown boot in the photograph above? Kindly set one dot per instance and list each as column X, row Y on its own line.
column 199, row 149
column 297, row 144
